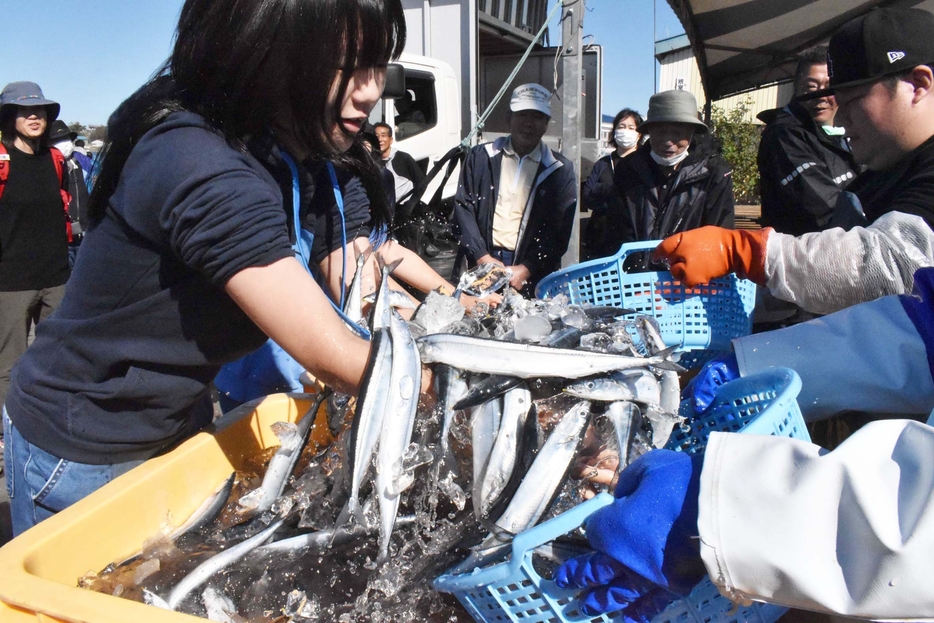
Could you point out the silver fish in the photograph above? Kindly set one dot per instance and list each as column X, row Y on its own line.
column 670, row 398
column 398, row 422
column 487, row 389
column 208, row 511
column 202, row 516
column 624, row 416
column 322, row 539
column 484, row 425
column 382, row 307
column 547, row 472
column 219, row 607
column 636, row 385
column 397, row 299
column 663, row 423
column 516, row 405
column 451, row 387
column 209, row 567
column 368, row 420
column 353, row 304
column 292, row 440
column 527, row 360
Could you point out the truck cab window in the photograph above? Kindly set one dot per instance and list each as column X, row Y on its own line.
column 418, row 110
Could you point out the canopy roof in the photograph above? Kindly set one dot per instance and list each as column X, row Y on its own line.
column 743, row 44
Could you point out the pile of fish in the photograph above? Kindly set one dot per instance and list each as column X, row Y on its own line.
column 523, row 392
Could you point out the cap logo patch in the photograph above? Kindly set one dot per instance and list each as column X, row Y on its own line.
column 895, row 56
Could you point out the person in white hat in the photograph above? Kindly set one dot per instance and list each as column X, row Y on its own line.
column 516, row 199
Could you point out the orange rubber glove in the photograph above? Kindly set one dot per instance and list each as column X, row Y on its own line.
column 699, row 255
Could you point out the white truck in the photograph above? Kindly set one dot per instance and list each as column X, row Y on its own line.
column 458, row 55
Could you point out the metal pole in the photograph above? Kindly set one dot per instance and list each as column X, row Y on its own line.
column 571, row 88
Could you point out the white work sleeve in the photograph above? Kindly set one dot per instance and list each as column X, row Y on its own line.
column 867, row 358
column 825, row 271
column 849, row 531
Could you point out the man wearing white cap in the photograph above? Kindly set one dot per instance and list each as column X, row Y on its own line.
column 516, row 199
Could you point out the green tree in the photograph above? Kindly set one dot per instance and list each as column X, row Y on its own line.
column 98, row 133
column 739, row 144
column 78, row 127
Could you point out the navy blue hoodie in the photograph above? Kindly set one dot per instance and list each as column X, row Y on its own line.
column 121, row 370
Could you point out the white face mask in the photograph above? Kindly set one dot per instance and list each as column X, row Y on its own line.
column 669, row 162
column 66, row 147
column 625, row 138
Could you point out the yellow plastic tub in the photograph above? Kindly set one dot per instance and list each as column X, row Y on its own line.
column 39, row 569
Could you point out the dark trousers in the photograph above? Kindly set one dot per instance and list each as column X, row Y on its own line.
column 19, row 311
column 505, row 256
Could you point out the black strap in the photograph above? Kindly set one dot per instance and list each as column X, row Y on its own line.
column 407, row 203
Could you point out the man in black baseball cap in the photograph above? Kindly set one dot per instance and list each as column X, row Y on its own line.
column 881, row 77
column 876, row 64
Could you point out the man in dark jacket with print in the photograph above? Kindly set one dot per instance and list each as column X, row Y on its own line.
column 675, row 182
column 517, row 198
column 804, row 161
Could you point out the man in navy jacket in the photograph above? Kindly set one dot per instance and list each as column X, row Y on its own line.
column 517, row 198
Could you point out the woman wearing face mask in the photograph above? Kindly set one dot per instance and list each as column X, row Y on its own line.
column 188, row 263
column 673, row 183
column 598, row 191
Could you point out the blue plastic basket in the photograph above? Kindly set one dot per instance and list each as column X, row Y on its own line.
column 511, row 589
column 704, row 317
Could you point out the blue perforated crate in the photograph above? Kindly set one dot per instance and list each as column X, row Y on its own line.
column 510, row 589
column 702, row 318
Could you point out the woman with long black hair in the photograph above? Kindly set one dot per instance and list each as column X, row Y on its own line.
column 189, row 261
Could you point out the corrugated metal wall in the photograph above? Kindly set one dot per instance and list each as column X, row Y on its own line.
column 525, row 15
column 679, row 71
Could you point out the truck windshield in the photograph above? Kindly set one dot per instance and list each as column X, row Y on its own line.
column 418, row 110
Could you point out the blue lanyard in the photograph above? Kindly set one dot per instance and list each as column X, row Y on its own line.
column 340, row 209
column 304, row 239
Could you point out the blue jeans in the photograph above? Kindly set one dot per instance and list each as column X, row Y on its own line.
column 504, row 255
column 40, row 484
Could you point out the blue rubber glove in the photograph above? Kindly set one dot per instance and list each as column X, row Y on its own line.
column 645, row 540
column 703, row 388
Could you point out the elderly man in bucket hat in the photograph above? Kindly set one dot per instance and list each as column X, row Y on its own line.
column 674, row 183
column 34, row 223
column 882, row 78
column 516, row 200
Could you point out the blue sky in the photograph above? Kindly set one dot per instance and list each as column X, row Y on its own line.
column 90, row 55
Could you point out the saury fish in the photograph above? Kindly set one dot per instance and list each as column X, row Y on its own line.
column 636, row 385
column 292, row 439
column 484, row 424
column 451, row 386
column 670, row 396
column 353, row 305
column 382, row 308
column 209, row 567
column 397, row 299
column 208, row 511
column 368, row 419
column 624, row 416
column 219, row 607
column 321, row 540
column 516, row 405
column 548, row 471
column 486, row 389
column 398, row 422
column 528, row 360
